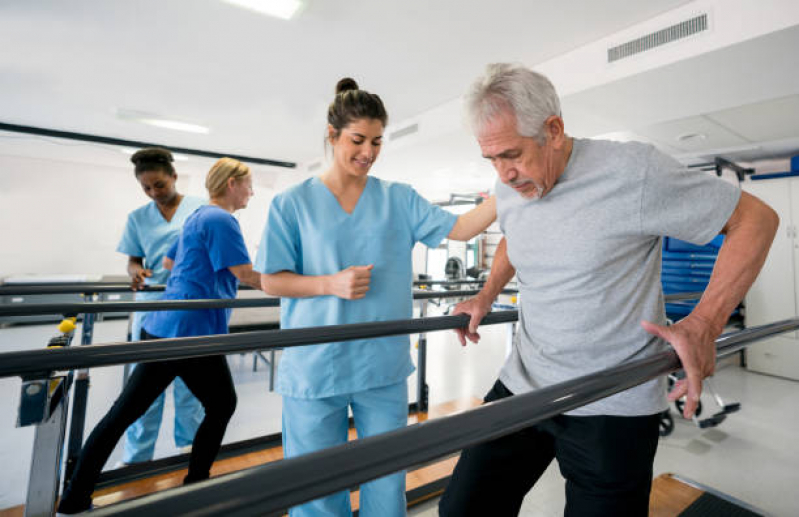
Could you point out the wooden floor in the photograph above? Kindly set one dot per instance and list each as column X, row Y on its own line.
column 669, row 496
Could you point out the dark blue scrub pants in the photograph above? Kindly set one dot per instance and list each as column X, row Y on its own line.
column 606, row 460
column 209, row 380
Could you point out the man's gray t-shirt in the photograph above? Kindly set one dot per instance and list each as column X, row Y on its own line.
column 588, row 258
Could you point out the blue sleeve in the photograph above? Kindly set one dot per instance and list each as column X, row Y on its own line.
column 226, row 246
column 173, row 250
column 280, row 242
column 430, row 224
column 130, row 244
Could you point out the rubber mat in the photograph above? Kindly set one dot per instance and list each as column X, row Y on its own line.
column 709, row 505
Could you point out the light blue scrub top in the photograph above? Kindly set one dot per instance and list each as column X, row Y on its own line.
column 308, row 233
column 149, row 235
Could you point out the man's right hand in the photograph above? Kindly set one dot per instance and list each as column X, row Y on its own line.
column 477, row 308
column 137, row 279
column 351, row 283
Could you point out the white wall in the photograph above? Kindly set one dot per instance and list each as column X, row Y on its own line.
column 61, row 216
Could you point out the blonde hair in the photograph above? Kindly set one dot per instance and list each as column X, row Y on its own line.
column 221, row 172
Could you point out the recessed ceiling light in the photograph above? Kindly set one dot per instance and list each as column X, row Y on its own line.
column 159, row 121
column 691, row 137
column 284, row 9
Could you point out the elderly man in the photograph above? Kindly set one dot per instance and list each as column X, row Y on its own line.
column 583, row 222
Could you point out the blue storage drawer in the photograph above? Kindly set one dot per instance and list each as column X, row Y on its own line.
column 678, row 255
column 694, row 265
column 672, row 244
column 693, row 273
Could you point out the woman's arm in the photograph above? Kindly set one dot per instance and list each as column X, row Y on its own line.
column 137, row 272
column 350, row 284
column 247, row 275
column 475, row 220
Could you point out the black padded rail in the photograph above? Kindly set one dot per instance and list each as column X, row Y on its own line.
column 271, row 488
column 75, row 308
column 30, row 289
column 38, row 363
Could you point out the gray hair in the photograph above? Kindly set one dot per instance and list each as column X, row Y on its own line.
column 510, row 87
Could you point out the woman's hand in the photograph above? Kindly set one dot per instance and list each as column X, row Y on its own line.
column 351, row 283
column 137, row 277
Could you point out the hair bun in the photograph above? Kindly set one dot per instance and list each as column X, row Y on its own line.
column 152, row 155
column 346, row 84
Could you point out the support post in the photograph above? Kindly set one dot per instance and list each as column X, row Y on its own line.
column 422, row 390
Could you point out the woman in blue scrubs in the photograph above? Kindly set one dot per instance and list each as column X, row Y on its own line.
column 149, row 233
column 210, row 259
column 337, row 248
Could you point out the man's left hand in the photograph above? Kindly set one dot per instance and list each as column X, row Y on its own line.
column 694, row 340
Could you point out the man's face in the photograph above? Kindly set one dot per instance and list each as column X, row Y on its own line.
column 520, row 161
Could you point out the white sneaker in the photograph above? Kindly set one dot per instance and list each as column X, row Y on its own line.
column 121, row 465
column 186, row 449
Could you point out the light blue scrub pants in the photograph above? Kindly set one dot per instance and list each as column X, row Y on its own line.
column 313, row 424
column 140, row 437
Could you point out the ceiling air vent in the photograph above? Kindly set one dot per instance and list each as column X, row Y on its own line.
column 656, row 39
column 407, row 130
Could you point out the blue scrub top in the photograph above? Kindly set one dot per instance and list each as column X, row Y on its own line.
column 308, row 233
column 149, row 236
column 211, row 242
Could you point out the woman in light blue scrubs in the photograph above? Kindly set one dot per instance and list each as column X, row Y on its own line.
column 338, row 248
column 149, row 233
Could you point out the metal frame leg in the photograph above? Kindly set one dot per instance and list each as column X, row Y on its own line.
column 422, row 389
column 80, row 401
column 45, row 472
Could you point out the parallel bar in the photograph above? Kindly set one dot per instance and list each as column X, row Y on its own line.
column 30, row 309
column 121, row 287
column 270, row 489
column 39, row 362
column 34, row 309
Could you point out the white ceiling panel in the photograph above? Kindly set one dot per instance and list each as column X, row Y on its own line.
column 763, row 121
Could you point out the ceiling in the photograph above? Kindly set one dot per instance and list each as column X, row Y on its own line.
column 262, row 84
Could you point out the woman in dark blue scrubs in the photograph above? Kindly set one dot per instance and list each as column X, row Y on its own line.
column 210, row 259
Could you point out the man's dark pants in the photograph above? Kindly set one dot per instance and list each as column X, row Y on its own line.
column 606, row 460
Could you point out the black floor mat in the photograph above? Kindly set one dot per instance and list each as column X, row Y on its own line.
column 709, row 505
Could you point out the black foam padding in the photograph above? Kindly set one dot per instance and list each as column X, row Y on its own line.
column 709, row 505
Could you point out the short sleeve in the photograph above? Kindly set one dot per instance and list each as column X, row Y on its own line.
column 226, row 246
column 280, row 248
column 130, row 244
column 430, row 224
column 689, row 205
column 173, row 250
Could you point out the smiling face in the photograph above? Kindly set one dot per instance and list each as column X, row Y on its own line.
column 523, row 164
column 158, row 185
column 357, row 146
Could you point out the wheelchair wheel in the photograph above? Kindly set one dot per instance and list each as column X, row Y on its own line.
column 666, row 423
column 680, row 404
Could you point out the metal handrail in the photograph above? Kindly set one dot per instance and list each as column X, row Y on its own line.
column 37, row 363
column 36, row 309
column 271, row 488
column 30, row 289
